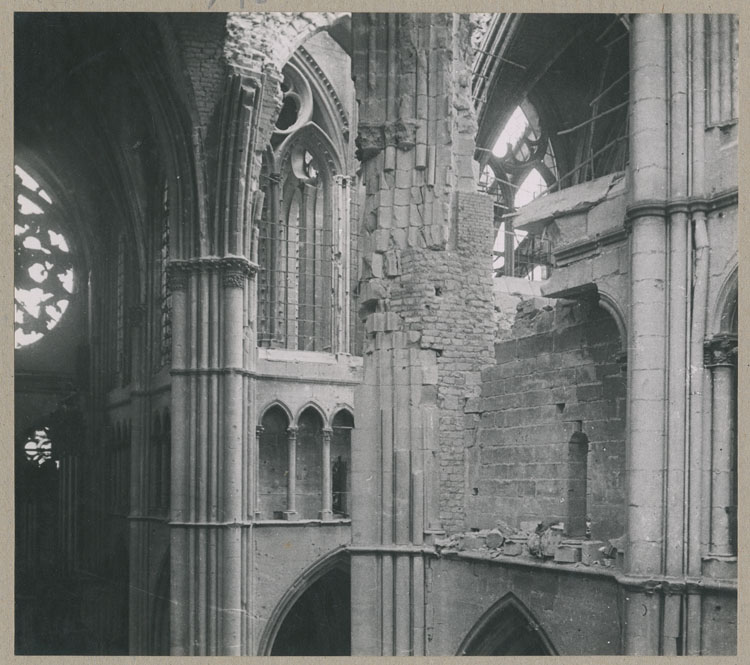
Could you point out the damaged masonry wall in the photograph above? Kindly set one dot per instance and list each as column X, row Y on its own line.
column 549, row 429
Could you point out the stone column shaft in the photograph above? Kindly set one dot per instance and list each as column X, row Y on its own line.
column 416, row 143
column 255, row 489
column 646, row 358
column 723, row 435
column 326, row 512
column 291, row 481
column 647, row 348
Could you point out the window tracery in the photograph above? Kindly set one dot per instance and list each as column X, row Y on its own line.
column 44, row 277
column 520, row 167
column 38, row 447
column 305, row 247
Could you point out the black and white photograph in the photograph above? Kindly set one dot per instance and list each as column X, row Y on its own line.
column 374, row 334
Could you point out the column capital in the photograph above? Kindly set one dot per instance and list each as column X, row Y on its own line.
column 720, row 350
column 292, row 432
column 234, row 270
column 177, row 276
column 259, row 429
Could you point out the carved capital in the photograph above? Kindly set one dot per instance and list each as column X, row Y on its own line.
column 401, row 133
column 233, row 280
column 234, row 270
column 291, row 433
column 177, row 276
column 370, row 141
column 721, row 350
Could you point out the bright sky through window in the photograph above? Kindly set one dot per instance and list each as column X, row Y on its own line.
column 512, row 132
column 533, row 185
column 43, row 269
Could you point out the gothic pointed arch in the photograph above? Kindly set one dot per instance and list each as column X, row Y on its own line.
column 309, row 407
column 277, row 404
column 300, row 294
column 315, row 609
column 508, row 628
column 724, row 316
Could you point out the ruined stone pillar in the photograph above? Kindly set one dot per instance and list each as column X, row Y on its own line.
column 426, row 297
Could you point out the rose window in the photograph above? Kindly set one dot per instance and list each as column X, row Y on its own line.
column 43, row 263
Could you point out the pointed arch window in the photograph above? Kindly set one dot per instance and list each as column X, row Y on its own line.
column 307, row 247
column 299, row 258
column 341, row 480
column 273, row 462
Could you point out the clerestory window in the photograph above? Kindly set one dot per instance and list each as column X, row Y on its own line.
column 307, row 248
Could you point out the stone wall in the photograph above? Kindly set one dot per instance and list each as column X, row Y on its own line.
column 557, row 373
column 578, row 612
column 444, row 306
column 201, row 39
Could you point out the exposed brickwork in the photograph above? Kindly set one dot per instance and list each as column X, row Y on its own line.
column 259, row 39
column 446, row 306
column 559, row 354
column 201, row 39
column 426, row 234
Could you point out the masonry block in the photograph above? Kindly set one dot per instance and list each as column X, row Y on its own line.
column 590, row 552
column 471, row 541
column 567, row 554
column 494, row 539
column 512, row 547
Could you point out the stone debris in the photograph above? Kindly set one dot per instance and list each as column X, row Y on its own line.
column 538, row 539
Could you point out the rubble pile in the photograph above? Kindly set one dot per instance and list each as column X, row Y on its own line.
column 538, row 539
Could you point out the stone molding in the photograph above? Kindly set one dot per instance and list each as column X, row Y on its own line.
column 690, row 206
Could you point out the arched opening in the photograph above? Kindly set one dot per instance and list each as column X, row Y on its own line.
column 341, row 446
column 721, row 359
column 598, row 463
column 307, row 247
column 520, row 167
column 309, row 463
column 507, row 629
column 273, row 462
column 318, row 621
column 578, row 450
